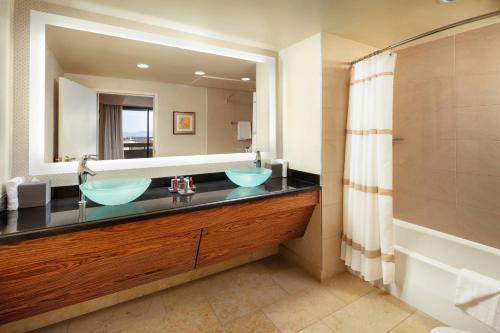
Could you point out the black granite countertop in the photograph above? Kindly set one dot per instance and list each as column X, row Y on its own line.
column 63, row 215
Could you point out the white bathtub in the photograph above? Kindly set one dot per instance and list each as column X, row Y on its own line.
column 427, row 262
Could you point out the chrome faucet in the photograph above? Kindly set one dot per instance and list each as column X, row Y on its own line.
column 257, row 161
column 83, row 172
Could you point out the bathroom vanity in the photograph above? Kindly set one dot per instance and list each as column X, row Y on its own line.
column 64, row 254
column 59, row 255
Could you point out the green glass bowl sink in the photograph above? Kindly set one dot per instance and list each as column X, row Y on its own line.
column 248, row 177
column 115, row 191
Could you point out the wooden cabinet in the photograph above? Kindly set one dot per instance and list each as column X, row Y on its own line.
column 225, row 241
column 47, row 273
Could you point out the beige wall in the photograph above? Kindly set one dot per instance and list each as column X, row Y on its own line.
column 6, row 40
column 300, row 97
column 223, row 107
column 447, row 109
column 171, row 97
column 52, row 72
column 301, row 80
column 21, row 77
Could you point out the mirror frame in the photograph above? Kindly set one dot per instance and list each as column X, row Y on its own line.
column 37, row 164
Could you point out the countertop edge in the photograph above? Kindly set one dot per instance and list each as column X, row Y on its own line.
column 7, row 239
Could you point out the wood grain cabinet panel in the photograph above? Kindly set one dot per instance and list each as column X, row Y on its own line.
column 76, row 267
column 51, row 272
column 225, row 241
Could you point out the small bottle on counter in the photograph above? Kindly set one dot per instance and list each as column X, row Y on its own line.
column 174, row 184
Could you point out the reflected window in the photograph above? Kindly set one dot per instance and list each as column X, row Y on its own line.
column 137, row 126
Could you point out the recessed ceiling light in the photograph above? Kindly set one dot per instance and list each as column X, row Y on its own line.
column 445, row 1
column 143, row 66
column 199, row 73
column 245, row 79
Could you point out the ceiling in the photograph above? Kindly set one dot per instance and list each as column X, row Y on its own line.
column 275, row 24
column 88, row 53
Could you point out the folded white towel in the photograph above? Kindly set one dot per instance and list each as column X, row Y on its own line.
column 11, row 222
column 479, row 296
column 244, row 130
column 11, row 187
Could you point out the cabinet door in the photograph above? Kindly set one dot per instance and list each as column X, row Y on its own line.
column 52, row 272
column 231, row 239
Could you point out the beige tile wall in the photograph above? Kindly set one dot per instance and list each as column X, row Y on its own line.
column 335, row 95
column 447, row 109
column 225, row 106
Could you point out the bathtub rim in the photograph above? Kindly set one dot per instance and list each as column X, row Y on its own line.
column 435, row 233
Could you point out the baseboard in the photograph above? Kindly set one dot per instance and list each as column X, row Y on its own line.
column 75, row 310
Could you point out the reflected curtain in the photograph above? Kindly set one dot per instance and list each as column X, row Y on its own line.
column 367, row 239
column 110, row 132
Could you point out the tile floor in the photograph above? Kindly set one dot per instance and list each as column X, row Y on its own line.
column 269, row 295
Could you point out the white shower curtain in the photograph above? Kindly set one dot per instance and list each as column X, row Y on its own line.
column 367, row 240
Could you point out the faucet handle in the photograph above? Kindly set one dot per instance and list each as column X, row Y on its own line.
column 89, row 157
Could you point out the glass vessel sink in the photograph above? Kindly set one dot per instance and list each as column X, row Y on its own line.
column 115, row 191
column 248, row 177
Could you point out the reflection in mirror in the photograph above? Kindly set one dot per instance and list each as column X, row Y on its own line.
column 126, row 99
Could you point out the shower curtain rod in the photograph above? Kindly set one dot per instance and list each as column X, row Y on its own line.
column 428, row 33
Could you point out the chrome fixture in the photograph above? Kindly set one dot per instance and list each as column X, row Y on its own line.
column 257, row 161
column 83, row 172
column 397, row 139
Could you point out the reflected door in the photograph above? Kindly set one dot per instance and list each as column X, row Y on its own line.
column 77, row 120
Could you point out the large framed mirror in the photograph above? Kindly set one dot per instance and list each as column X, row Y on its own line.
column 137, row 100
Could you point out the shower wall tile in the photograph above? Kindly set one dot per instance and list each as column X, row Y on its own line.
column 447, row 109
column 334, row 126
column 482, row 226
column 441, row 216
column 430, row 213
column 477, row 89
column 436, row 125
column 479, row 191
column 332, row 220
column 334, row 123
column 424, row 153
column 332, row 188
column 426, row 61
column 479, row 123
column 333, row 155
column 479, row 157
column 477, row 51
column 335, row 85
column 409, row 206
column 434, row 94
column 432, row 184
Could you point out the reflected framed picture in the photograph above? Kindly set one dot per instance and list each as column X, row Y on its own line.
column 184, row 122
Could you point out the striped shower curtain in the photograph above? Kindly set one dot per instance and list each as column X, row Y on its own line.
column 367, row 239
